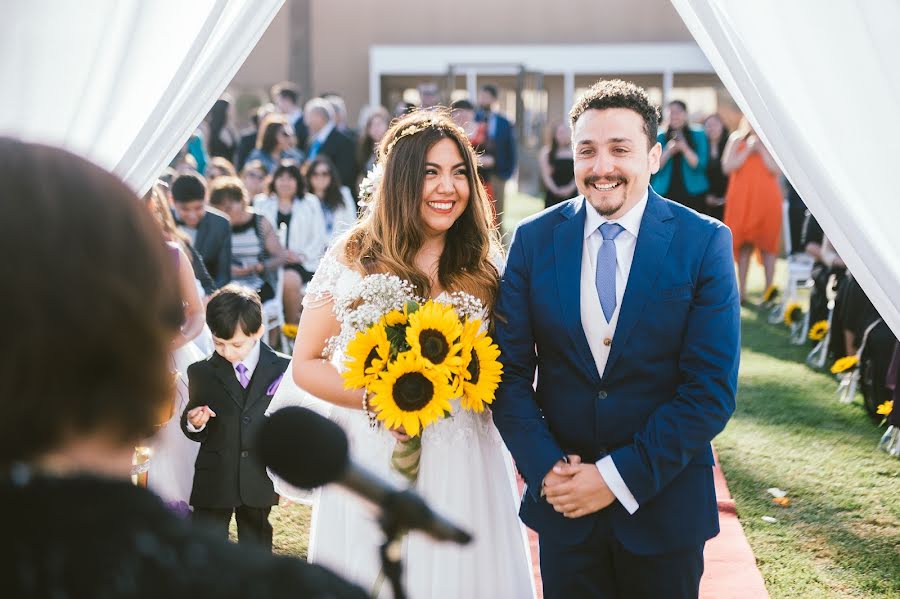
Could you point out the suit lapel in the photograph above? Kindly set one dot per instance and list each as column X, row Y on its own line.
column 653, row 242
column 568, row 239
column 263, row 376
column 225, row 371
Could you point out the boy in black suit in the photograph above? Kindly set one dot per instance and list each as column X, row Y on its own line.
column 229, row 394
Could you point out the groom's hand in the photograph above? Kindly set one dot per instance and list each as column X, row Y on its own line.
column 581, row 492
column 553, row 478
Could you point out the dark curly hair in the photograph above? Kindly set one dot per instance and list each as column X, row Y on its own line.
column 615, row 93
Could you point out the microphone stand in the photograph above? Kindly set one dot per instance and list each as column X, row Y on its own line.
column 391, row 550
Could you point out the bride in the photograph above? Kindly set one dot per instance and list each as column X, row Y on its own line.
column 427, row 222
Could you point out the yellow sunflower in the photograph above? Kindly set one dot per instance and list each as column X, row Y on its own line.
column 818, row 330
column 411, row 394
column 289, row 330
column 433, row 333
column 844, row 364
column 395, row 317
column 793, row 312
column 366, row 356
column 886, row 408
column 482, row 371
column 771, row 294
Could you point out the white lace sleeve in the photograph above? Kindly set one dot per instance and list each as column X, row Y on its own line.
column 321, row 289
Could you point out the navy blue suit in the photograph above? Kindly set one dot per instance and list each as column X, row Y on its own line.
column 669, row 384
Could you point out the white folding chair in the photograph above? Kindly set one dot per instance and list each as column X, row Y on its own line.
column 273, row 310
column 849, row 381
column 799, row 276
column 817, row 356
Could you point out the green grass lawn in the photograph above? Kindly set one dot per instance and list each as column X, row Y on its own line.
column 840, row 537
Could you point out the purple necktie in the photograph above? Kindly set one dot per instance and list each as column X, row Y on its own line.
column 243, row 379
column 606, row 268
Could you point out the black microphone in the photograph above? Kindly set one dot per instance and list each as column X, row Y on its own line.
column 308, row 450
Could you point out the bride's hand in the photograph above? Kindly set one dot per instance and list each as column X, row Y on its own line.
column 400, row 434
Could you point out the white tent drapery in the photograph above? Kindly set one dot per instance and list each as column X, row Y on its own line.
column 820, row 83
column 121, row 82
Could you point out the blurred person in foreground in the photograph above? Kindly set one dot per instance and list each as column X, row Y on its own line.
column 73, row 524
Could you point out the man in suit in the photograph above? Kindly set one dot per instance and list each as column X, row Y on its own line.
column 208, row 229
column 229, row 394
column 628, row 303
column 286, row 97
column 502, row 143
column 324, row 138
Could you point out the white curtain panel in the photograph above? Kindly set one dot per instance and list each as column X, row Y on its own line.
column 121, row 82
column 820, row 82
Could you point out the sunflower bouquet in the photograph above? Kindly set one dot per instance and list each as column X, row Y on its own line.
column 417, row 356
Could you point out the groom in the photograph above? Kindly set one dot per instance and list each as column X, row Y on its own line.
column 625, row 304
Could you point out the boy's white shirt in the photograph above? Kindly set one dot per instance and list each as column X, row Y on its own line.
column 250, row 362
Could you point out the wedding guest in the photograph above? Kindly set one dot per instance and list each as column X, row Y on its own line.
column 256, row 253
column 171, row 468
column 229, row 394
column 67, row 440
column 558, row 166
column 219, row 167
column 158, row 205
column 374, row 127
column 324, row 138
column 501, row 140
column 463, row 114
column 682, row 165
column 247, row 142
column 717, row 136
column 207, row 228
column 752, row 202
column 286, row 97
column 289, row 205
column 222, row 137
column 275, row 142
column 429, row 95
column 253, row 176
column 337, row 203
column 340, row 116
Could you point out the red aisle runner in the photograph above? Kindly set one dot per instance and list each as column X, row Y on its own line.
column 730, row 570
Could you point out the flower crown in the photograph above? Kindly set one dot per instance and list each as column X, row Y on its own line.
column 368, row 185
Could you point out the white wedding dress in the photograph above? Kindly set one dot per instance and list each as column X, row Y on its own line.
column 171, row 471
column 465, row 474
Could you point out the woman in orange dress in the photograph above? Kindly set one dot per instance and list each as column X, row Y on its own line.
column 752, row 202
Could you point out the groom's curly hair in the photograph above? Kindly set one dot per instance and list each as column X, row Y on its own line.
column 615, row 93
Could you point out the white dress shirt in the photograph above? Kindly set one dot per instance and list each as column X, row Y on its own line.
column 250, row 362
column 600, row 333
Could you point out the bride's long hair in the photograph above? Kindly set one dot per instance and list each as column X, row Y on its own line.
column 390, row 234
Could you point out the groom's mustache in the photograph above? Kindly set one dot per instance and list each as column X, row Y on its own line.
column 594, row 180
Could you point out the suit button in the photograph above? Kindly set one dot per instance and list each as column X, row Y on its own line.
column 244, row 454
column 601, row 395
column 245, row 420
column 607, row 342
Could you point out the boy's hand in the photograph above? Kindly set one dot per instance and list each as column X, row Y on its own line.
column 200, row 415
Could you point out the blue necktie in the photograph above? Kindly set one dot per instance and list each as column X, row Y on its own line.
column 606, row 268
column 314, row 149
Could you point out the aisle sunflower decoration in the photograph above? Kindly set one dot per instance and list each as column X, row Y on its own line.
column 771, row 294
column 414, row 358
column 844, row 364
column 818, row 331
column 885, row 409
column 793, row 313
